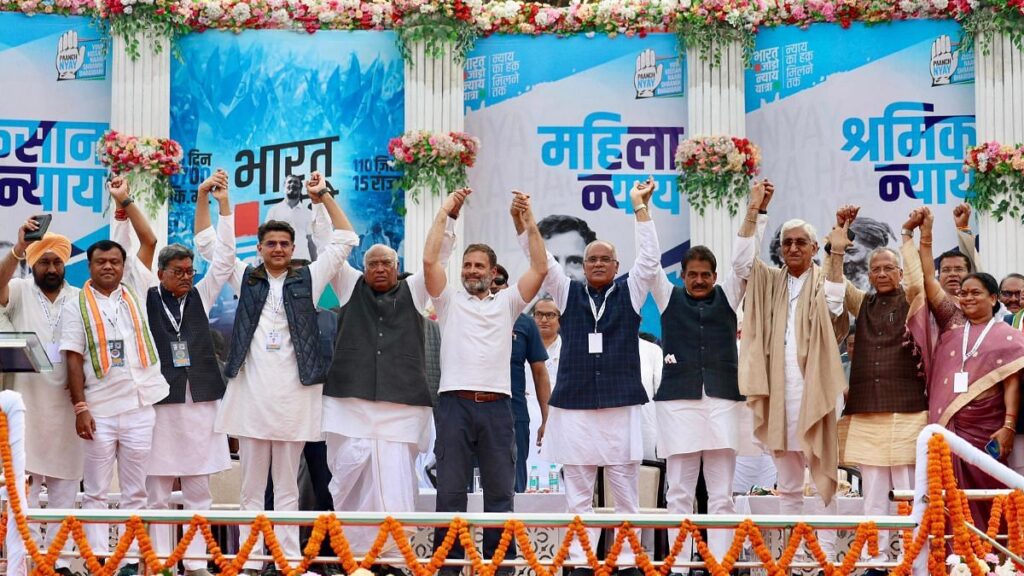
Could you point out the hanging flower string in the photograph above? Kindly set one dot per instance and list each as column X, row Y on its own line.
column 970, row 554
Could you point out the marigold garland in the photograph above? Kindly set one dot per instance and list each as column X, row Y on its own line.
column 943, row 493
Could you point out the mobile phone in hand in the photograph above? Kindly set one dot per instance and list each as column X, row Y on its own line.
column 43, row 220
column 992, row 448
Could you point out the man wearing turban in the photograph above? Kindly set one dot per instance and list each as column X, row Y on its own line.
column 53, row 450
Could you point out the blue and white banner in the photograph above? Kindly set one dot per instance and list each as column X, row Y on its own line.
column 576, row 131
column 54, row 72
column 270, row 107
column 878, row 116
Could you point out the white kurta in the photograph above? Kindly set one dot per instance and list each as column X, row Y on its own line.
column 52, row 446
column 266, row 400
column 358, row 418
column 608, row 436
column 718, row 419
column 191, row 424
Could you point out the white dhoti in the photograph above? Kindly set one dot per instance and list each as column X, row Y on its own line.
column 371, row 450
column 791, row 466
column 585, row 440
column 14, row 408
column 185, row 446
column 877, row 482
column 127, row 440
column 60, row 493
column 718, row 421
column 281, row 460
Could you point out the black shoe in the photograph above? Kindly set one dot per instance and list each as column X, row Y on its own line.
column 876, row 572
column 631, row 571
column 64, row 571
column 129, row 570
column 582, row 572
column 505, row 571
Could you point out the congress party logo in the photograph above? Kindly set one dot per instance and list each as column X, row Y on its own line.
column 950, row 63
column 657, row 76
column 79, row 59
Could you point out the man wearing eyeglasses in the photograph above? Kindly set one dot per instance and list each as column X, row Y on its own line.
column 1011, row 290
column 886, row 405
column 179, row 312
column 377, row 403
column 789, row 369
column 595, row 413
column 275, row 368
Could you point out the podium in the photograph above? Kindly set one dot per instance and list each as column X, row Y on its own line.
column 23, row 352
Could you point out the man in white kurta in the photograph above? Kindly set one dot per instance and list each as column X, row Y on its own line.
column 377, row 413
column 54, row 451
column 113, row 373
column 595, row 418
column 185, row 445
column 267, row 406
column 699, row 388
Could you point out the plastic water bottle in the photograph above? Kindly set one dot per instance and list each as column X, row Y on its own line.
column 476, row 480
column 534, row 484
column 553, row 479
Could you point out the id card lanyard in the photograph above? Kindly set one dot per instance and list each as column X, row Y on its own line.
column 960, row 379
column 595, row 340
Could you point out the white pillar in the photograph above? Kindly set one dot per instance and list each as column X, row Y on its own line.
column 715, row 99
column 140, row 102
column 999, row 104
column 433, row 101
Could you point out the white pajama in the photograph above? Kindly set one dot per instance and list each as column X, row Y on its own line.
column 60, row 493
column 281, row 459
column 877, row 482
column 14, row 408
column 579, row 498
column 371, row 475
column 195, row 491
column 127, row 440
column 791, row 466
column 681, row 472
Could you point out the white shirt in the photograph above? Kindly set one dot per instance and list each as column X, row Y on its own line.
column 476, row 337
column 301, row 218
column 52, row 448
column 124, row 388
column 266, row 400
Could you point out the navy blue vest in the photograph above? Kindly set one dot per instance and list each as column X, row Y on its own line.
column 203, row 375
column 302, row 322
column 701, row 334
column 608, row 380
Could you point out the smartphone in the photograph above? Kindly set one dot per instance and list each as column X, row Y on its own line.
column 992, row 448
column 44, row 223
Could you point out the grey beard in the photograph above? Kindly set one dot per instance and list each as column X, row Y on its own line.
column 475, row 287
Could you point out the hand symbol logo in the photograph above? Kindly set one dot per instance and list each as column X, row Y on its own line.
column 648, row 74
column 70, row 56
column 944, row 60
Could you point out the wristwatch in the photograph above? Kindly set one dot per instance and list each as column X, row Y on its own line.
column 126, row 202
column 640, row 207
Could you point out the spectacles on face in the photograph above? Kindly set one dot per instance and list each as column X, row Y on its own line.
column 599, row 260
column 500, row 281
column 1010, row 294
column 888, row 269
column 545, row 315
column 275, row 244
column 798, row 242
column 373, row 264
column 182, row 273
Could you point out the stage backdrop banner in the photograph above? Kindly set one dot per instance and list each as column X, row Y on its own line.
column 270, row 107
column 574, row 122
column 56, row 81
column 878, row 116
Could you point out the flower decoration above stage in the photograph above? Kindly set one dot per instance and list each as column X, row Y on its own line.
column 147, row 164
column 716, row 170
column 158, row 19
column 998, row 187
column 437, row 161
column 438, row 24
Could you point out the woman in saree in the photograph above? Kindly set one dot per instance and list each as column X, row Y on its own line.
column 973, row 369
